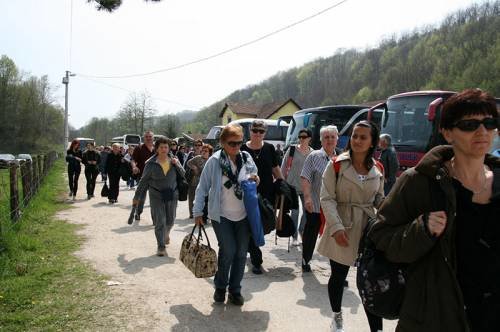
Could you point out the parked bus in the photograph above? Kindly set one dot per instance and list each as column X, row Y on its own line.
column 276, row 132
column 342, row 116
column 412, row 120
column 127, row 140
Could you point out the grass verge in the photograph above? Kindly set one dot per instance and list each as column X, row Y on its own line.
column 43, row 286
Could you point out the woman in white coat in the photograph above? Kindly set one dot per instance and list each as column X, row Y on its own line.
column 353, row 186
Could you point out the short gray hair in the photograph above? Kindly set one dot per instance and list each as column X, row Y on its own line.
column 324, row 129
column 387, row 138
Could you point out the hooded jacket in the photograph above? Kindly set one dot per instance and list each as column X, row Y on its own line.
column 433, row 299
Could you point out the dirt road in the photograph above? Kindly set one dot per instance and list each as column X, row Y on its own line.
column 160, row 294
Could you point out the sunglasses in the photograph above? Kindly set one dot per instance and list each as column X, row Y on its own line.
column 198, row 145
column 258, row 131
column 303, row 137
column 234, row 144
column 473, row 124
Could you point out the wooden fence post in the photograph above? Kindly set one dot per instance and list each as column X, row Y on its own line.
column 40, row 169
column 34, row 176
column 14, row 194
column 25, row 181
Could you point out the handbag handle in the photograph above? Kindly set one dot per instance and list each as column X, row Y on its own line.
column 201, row 228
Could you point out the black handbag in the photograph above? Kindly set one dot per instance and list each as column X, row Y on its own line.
column 381, row 283
column 266, row 215
column 105, row 190
column 182, row 185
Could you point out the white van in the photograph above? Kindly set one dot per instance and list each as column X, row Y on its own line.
column 275, row 134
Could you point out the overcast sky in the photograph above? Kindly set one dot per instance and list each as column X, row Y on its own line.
column 143, row 37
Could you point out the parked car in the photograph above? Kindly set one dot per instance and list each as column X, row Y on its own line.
column 7, row 157
column 24, row 156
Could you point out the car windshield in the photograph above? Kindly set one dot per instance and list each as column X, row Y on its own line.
column 407, row 121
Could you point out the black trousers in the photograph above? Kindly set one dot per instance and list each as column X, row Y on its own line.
column 114, row 183
column 73, row 176
column 310, row 236
column 336, row 291
column 91, row 176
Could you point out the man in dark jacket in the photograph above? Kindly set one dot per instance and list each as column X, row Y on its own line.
column 389, row 160
column 139, row 157
column 113, row 170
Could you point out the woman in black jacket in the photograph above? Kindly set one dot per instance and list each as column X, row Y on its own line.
column 91, row 160
column 441, row 218
column 73, row 158
column 115, row 159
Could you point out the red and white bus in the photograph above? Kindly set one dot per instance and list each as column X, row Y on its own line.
column 412, row 120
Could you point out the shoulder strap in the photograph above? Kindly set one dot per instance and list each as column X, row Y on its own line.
column 336, row 165
column 379, row 166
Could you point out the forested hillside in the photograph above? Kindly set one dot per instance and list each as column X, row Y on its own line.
column 464, row 51
column 30, row 121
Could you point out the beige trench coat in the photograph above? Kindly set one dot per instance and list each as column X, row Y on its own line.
column 347, row 203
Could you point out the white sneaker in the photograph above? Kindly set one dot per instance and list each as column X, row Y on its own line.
column 295, row 243
column 337, row 322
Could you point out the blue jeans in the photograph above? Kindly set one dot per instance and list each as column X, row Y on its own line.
column 295, row 217
column 233, row 237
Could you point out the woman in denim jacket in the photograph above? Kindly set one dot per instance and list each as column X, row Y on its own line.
column 220, row 181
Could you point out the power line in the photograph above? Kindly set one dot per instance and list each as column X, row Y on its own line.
column 130, row 91
column 232, row 49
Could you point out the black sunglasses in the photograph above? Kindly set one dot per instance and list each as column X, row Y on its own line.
column 258, row 131
column 473, row 124
column 303, row 137
column 234, row 144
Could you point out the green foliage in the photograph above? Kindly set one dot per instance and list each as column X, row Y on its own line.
column 462, row 52
column 30, row 122
column 43, row 286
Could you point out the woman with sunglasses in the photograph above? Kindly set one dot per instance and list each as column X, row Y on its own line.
column 265, row 157
column 220, row 181
column 441, row 218
column 291, row 167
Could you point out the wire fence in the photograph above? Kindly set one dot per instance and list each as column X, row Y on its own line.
column 19, row 183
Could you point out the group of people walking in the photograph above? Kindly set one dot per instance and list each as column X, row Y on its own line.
column 440, row 217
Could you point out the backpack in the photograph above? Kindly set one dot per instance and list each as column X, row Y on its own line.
column 289, row 161
column 381, row 283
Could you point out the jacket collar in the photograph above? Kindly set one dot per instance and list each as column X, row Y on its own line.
column 433, row 161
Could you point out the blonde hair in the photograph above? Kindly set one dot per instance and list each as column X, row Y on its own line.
column 230, row 130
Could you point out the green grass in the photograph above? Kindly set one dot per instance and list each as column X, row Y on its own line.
column 43, row 286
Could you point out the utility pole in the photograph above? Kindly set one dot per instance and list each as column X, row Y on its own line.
column 65, row 81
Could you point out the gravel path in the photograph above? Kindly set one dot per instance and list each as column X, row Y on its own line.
column 160, row 294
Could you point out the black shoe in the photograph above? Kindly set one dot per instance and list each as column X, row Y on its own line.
column 306, row 267
column 190, row 216
column 137, row 216
column 236, row 298
column 346, row 284
column 257, row 269
column 89, row 196
column 219, row 295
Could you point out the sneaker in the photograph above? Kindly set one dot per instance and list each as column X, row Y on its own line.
column 89, row 196
column 74, row 197
column 295, row 243
column 257, row 269
column 137, row 217
column 219, row 295
column 161, row 252
column 70, row 194
column 337, row 322
column 236, row 298
column 111, row 201
column 306, row 267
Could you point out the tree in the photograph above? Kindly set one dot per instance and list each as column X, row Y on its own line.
column 111, row 5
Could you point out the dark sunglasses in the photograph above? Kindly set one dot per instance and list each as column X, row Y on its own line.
column 303, row 137
column 258, row 131
column 473, row 124
column 234, row 144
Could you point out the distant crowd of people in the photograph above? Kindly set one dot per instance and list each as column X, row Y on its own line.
column 440, row 217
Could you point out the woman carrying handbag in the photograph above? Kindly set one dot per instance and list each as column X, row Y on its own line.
column 220, row 180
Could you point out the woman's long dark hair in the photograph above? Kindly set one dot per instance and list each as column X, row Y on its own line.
column 375, row 134
column 73, row 143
